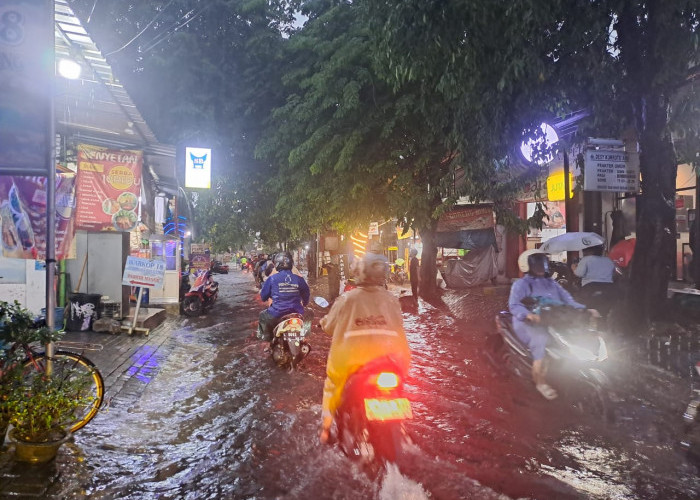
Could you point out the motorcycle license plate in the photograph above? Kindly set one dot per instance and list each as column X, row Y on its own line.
column 293, row 334
column 388, row 409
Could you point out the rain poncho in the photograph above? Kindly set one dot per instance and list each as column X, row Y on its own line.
column 545, row 289
column 366, row 324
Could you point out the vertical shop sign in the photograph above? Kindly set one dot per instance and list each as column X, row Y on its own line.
column 198, row 168
column 109, row 186
column 23, row 216
column 26, row 72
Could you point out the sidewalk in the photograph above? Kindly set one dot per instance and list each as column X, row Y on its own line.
column 119, row 358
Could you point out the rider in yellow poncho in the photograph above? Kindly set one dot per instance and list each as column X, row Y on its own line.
column 366, row 324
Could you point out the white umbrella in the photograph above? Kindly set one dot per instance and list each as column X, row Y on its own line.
column 572, row 242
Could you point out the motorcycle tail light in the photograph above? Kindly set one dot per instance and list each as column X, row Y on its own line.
column 387, row 380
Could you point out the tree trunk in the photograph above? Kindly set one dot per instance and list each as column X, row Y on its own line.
column 656, row 216
column 428, row 265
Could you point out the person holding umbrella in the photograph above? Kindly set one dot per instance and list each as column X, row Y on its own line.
column 596, row 272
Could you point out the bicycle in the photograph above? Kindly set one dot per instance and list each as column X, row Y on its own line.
column 23, row 334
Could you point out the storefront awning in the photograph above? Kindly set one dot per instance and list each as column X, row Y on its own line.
column 96, row 105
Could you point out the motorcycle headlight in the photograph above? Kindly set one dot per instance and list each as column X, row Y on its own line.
column 582, row 354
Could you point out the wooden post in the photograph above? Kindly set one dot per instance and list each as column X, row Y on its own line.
column 136, row 312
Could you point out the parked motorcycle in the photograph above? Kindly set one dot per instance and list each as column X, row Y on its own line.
column 691, row 418
column 370, row 417
column 576, row 355
column 202, row 294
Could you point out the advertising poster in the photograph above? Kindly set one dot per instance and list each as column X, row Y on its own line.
column 109, row 186
column 23, row 216
column 200, row 257
column 26, row 69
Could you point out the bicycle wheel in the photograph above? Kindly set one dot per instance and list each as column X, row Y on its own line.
column 73, row 367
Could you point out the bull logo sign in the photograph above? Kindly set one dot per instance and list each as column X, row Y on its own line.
column 198, row 168
column 198, row 161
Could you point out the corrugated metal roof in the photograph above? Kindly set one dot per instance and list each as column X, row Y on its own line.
column 96, row 103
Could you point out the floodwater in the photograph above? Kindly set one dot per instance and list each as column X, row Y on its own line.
column 207, row 415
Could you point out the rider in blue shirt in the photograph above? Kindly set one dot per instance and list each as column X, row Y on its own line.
column 289, row 294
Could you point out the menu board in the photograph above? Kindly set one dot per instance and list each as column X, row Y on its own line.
column 109, row 185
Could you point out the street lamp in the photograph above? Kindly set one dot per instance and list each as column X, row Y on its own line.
column 69, row 69
column 549, row 138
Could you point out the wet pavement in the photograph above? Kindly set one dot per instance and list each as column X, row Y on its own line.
column 198, row 410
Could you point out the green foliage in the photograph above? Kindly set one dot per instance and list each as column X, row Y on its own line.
column 17, row 328
column 40, row 407
column 18, row 325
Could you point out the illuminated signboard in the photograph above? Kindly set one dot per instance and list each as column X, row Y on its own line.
column 198, row 168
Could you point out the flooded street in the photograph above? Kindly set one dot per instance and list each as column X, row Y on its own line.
column 206, row 414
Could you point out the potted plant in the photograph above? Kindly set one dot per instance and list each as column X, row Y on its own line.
column 40, row 411
column 39, row 407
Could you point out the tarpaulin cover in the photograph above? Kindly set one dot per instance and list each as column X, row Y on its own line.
column 477, row 267
column 469, row 240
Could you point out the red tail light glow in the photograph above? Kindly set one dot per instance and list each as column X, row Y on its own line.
column 387, row 380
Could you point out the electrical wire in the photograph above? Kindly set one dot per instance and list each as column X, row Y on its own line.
column 168, row 34
column 91, row 11
column 140, row 32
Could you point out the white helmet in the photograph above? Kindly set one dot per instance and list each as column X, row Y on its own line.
column 522, row 259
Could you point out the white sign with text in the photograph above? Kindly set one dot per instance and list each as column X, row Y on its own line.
column 611, row 170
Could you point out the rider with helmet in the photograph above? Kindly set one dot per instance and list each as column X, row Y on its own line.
column 366, row 324
column 289, row 293
column 536, row 284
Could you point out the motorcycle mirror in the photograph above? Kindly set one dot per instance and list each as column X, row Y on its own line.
column 321, row 302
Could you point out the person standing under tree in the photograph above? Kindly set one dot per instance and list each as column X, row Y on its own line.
column 414, row 272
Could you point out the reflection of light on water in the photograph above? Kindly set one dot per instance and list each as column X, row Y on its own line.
column 597, row 478
column 396, row 485
column 145, row 364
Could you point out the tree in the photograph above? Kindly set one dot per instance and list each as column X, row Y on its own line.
column 349, row 148
column 205, row 72
column 624, row 61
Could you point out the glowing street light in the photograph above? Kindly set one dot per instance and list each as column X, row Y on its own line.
column 69, row 69
column 550, row 137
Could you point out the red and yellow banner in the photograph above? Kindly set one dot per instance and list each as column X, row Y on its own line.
column 109, row 186
column 23, row 216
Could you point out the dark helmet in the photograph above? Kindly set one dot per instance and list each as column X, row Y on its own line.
column 284, row 260
column 538, row 264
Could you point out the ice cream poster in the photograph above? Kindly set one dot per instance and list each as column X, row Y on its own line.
column 23, row 216
column 109, row 186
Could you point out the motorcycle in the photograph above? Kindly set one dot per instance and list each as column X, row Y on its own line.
column 202, row 294
column 219, row 267
column 691, row 418
column 576, row 355
column 562, row 274
column 289, row 345
column 371, row 414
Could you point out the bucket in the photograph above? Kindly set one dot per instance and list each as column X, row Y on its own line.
column 83, row 311
column 58, row 317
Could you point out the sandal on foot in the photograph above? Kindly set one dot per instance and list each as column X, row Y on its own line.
column 547, row 391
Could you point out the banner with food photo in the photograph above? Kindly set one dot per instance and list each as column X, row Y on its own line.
column 109, row 185
column 23, row 216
